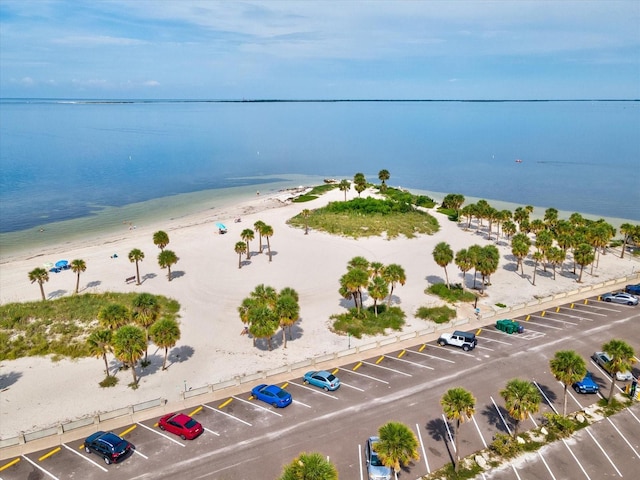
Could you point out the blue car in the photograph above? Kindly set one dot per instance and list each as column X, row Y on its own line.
column 322, row 379
column 633, row 289
column 272, row 394
column 586, row 385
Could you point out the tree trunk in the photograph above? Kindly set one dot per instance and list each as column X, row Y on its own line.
column 42, row 292
column 389, row 299
column 106, row 364
column 133, row 372
column 284, row 338
column 78, row 283
column 169, row 268
column 137, row 273
column 164, row 361
column 613, row 385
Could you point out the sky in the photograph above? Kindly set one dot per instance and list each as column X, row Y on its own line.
column 306, row 49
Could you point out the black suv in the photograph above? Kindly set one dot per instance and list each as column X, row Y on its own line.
column 110, row 446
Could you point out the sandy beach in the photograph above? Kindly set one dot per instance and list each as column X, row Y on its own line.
column 37, row 392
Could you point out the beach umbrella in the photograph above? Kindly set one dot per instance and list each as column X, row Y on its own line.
column 47, row 265
column 221, row 226
column 61, row 263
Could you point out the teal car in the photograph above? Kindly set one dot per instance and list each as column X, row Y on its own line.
column 322, row 379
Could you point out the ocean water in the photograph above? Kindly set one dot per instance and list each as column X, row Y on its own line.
column 80, row 163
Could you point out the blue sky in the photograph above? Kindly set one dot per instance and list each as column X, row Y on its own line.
column 188, row 49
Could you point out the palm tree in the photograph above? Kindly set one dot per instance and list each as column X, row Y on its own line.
column 622, row 357
column 161, row 239
column 265, row 295
column 443, row 256
column 521, row 399
column 397, row 446
column 520, row 244
column 464, row 262
column 629, row 231
column 393, row 274
column 128, row 346
column 508, row 228
column 263, row 323
column 360, row 182
column 375, row 269
column 378, row 290
column 258, row 227
column 146, row 310
column 537, row 258
column 136, row 255
column 165, row 333
column 544, row 241
column 305, row 214
column 351, row 283
column 240, row 248
column 383, row 176
column 247, row 235
column 551, row 217
column 568, row 367
column 310, row 466
column 487, row 263
column 99, row 345
column 458, row 404
column 556, row 256
column 267, row 232
column 583, row 255
column 39, row 275
column 288, row 312
column 78, row 266
column 344, row 186
column 166, row 259
column 113, row 316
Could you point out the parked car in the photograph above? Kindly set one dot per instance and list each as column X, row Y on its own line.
column 180, row 424
column 465, row 340
column 322, row 379
column 272, row 394
column 604, row 361
column 375, row 469
column 633, row 289
column 586, row 385
column 620, row 297
column 109, row 446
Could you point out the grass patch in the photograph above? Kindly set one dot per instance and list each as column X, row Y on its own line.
column 466, row 471
column 109, row 381
column 60, row 327
column 451, row 295
column 367, row 323
column 441, row 314
column 613, row 406
column 315, row 192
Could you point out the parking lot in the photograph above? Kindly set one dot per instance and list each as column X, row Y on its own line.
column 245, row 438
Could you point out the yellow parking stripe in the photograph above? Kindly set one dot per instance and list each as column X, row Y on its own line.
column 557, row 309
column 586, row 301
column 197, row 410
column 380, row 359
column 527, row 319
column 424, row 345
column 128, row 430
column 401, row 354
column 336, row 371
column 285, row 385
column 47, row 455
column 478, row 331
column 10, row 464
column 542, row 314
column 358, row 365
column 224, row 404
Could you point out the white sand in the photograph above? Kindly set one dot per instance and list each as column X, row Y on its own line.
column 37, row 392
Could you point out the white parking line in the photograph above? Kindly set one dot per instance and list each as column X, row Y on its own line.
column 360, row 461
column 424, row 453
column 602, row 450
column 574, row 457
column 515, row 471
column 431, row 356
column 368, row 376
column 446, row 424
column 141, row 454
column 314, row 390
column 633, row 415
column 545, row 397
column 561, row 314
column 342, row 384
column 387, row 368
column 544, row 325
column 162, row 434
column 227, row 414
column 258, row 406
column 500, row 413
column 624, row 438
column 604, row 372
column 85, row 457
column 545, row 464
column 211, row 431
column 479, row 432
column 409, row 362
column 39, row 467
column 300, row 403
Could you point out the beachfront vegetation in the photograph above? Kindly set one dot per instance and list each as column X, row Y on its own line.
column 165, row 333
column 129, row 344
column 319, row 190
column 78, row 266
column 265, row 310
column 311, row 466
column 454, row 294
column 136, row 256
column 240, row 248
column 39, row 275
column 365, row 217
column 443, row 256
column 62, row 327
column 161, row 239
column 442, row 314
column 167, row 258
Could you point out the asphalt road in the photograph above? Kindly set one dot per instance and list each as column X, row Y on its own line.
column 245, row 439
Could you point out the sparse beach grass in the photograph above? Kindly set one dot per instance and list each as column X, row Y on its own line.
column 366, row 322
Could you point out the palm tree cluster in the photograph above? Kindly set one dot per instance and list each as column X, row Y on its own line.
column 379, row 280
column 166, row 258
column 482, row 259
column 453, row 201
column 247, row 235
column 40, row 275
column 126, row 332
column 265, row 310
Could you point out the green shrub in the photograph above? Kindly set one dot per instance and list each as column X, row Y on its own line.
column 558, row 426
column 436, row 314
column 452, row 295
column 505, row 445
column 109, row 381
column 366, row 323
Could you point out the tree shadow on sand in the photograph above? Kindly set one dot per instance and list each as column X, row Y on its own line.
column 94, row 284
column 56, row 294
column 8, row 379
column 178, row 354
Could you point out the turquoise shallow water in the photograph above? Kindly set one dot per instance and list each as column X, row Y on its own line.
column 76, row 168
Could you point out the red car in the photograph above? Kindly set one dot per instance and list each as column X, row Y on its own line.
column 181, row 424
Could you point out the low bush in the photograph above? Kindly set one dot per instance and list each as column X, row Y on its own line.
column 436, row 314
column 453, row 294
column 367, row 323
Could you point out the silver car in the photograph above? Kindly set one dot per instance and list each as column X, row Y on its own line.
column 375, row 469
column 621, row 297
column 604, row 361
